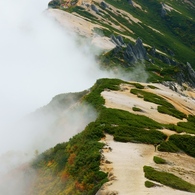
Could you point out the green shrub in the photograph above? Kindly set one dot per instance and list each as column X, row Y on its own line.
column 168, row 179
column 149, row 184
column 138, row 85
column 159, row 160
column 136, row 109
column 152, row 87
column 168, row 147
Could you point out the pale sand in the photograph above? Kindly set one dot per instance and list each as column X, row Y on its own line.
column 127, row 164
column 125, row 100
column 78, row 25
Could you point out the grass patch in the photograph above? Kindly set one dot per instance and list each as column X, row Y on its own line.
column 94, row 96
column 152, row 87
column 159, row 160
column 179, row 143
column 138, row 85
column 168, row 179
column 136, row 109
column 149, row 184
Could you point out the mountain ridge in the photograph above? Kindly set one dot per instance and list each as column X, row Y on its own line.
column 143, row 129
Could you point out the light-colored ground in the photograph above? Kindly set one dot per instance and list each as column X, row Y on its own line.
column 125, row 162
column 78, row 25
column 125, row 100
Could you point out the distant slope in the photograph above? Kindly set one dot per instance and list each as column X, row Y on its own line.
column 166, row 30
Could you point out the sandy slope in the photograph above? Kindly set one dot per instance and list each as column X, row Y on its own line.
column 82, row 27
column 125, row 100
column 127, row 164
column 124, row 161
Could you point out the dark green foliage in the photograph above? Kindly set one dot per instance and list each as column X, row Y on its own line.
column 138, row 135
column 128, row 127
column 168, row 179
column 152, row 87
column 80, row 157
column 188, row 127
column 138, row 85
column 149, row 184
column 116, row 117
column 168, row 147
column 95, row 98
column 186, row 143
column 178, row 143
column 159, row 160
column 136, row 109
column 171, row 111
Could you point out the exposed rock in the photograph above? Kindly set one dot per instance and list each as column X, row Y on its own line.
column 103, row 5
column 94, row 8
column 118, row 40
column 171, row 85
column 161, row 57
column 163, row 11
column 130, row 2
column 54, row 3
column 135, row 52
column 186, row 75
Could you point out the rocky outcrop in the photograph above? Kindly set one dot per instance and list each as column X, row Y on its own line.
column 163, row 11
column 94, row 8
column 118, row 40
column 130, row 2
column 163, row 58
column 130, row 53
column 103, row 5
column 186, row 75
column 135, row 52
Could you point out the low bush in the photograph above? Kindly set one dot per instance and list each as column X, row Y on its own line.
column 136, row 109
column 149, row 184
column 159, row 160
column 168, row 179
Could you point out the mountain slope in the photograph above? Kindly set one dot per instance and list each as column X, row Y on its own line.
column 76, row 167
column 165, row 29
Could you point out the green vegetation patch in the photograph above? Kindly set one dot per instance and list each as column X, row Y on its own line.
column 179, row 143
column 136, row 109
column 94, row 96
column 77, row 161
column 188, row 127
column 138, row 85
column 152, row 87
column 150, row 184
column 159, row 160
column 165, row 108
column 168, row 179
column 128, row 127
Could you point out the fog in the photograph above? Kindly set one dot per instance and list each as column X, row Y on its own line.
column 38, row 60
